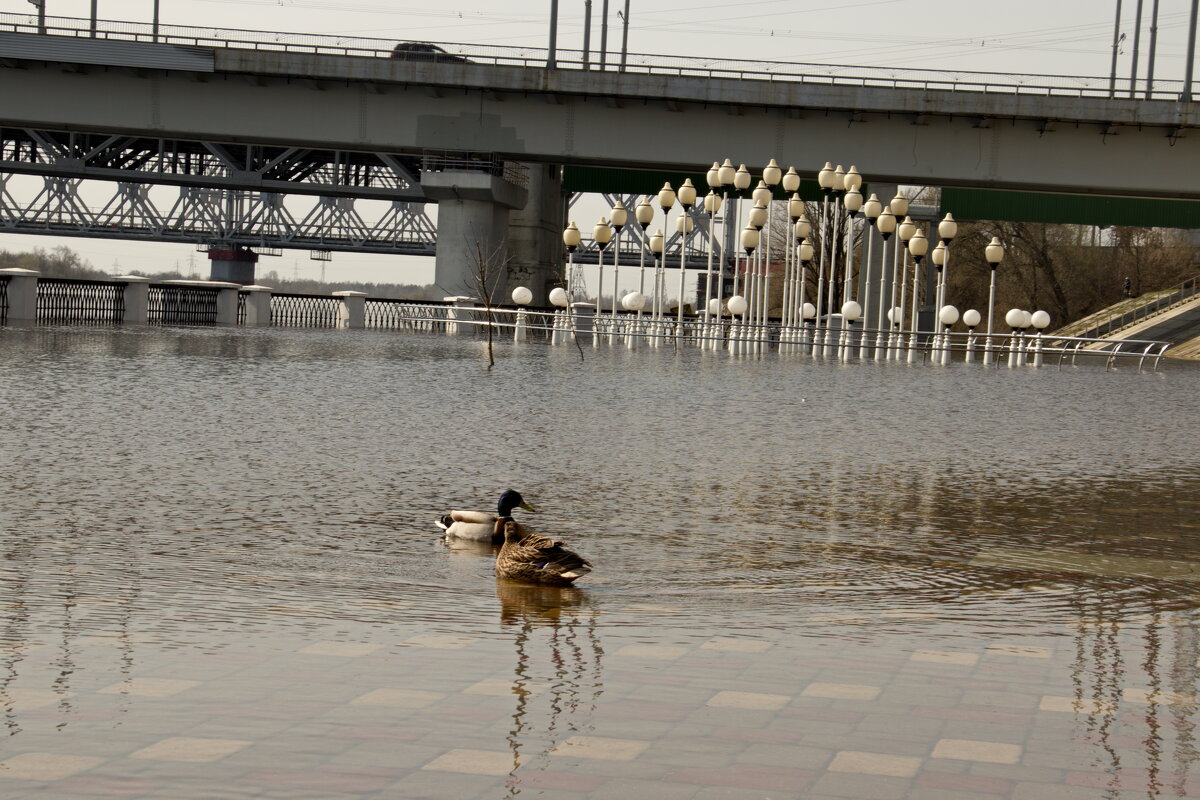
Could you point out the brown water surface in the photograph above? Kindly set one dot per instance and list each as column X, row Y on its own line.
column 220, row 576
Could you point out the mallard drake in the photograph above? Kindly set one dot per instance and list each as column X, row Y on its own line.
column 529, row 558
column 480, row 526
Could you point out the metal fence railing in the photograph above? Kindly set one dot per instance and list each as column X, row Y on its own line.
column 70, row 300
column 1162, row 302
column 181, row 305
column 3, row 299
column 486, row 163
column 462, row 56
column 305, row 310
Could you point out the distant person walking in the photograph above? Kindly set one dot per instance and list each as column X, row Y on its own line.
column 1128, row 288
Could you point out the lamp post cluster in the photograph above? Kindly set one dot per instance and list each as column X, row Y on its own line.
column 821, row 325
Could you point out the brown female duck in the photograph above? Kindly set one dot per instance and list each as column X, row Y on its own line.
column 529, row 558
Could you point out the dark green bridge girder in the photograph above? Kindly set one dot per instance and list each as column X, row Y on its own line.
column 965, row 204
column 1075, row 209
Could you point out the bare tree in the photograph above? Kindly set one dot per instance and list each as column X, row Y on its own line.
column 487, row 267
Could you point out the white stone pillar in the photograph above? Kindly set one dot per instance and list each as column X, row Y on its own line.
column 458, row 310
column 352, row 312
column 521, row 326
column 22, row 294
column 137, row 299
column 258, row 305
column 227, row 302
column 584, row 318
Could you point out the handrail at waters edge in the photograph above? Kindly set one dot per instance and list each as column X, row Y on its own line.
column 1168, row 299
column 640, row 63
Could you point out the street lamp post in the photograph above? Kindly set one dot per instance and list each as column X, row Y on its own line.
column 602, row 234
column 1014, row 319
column 905, row 230
column 656, row 247
column 1039, row 320
column 772, row 174
column 762, row 200
column 947, row 230
column 750, row 240
column 666, row 201
column 741, row 182
column 712, row 204
column 971, row 319
column 898, row 208
column 726, row 175
column 757, row 219
column 850, row 312
column 687, row 198
column 852, row 200
column 795, row 208
column 804, row 252
column 839, row 188
column 886, row 225
column 619, row 216
column 825, row 180
column 737, row 307
column 918, row 246
column 947, row 315
column 801, row 230
column 994, row 253
column 871, row 211
column 939, row 259
column 571, row 238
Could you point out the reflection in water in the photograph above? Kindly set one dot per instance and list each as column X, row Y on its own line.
column 564, row 661
column 1101, row 684
column 934, row 503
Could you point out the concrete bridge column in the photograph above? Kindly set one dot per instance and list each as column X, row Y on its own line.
column 473, row 209
column 232, row 264
column 535, row 235
column 22, row 293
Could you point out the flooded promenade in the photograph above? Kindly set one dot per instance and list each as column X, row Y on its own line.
column 221, row 576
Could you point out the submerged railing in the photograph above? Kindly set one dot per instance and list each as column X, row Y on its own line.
column 181, row 305
column 69, row 300
column 133, row 299
column 304, row 310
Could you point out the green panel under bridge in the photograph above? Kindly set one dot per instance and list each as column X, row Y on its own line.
column 649, row 181
column 1073, row 209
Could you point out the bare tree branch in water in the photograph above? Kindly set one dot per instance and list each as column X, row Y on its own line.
column 486, row 269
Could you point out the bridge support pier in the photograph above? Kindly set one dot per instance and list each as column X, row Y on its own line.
column 472, row 226
column 535, row 235
column 232, row 264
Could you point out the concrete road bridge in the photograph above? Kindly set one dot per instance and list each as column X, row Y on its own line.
column 247, row 125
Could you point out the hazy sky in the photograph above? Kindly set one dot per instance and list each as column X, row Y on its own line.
column 1063, row 37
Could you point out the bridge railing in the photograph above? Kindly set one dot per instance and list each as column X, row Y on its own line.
column 1162, row 302
column 643, row 63
column 135, row 299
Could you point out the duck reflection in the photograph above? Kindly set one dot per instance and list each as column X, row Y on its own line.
column 559, row 655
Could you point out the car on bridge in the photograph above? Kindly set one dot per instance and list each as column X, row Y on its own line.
column 424, row 51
